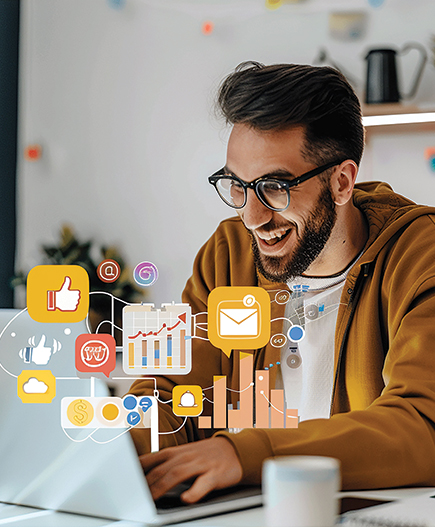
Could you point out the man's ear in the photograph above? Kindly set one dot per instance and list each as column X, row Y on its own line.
column 343, row 181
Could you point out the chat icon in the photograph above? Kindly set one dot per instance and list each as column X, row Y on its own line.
column 238, row 318
column 95, row 353
column 36, row 386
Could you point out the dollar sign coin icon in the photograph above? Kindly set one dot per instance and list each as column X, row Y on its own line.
column 80, row 412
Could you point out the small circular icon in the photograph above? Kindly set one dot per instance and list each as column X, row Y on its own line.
column 249, row 300
column 296, row 333
column 108, row 271
column 293, row 361
column 278, row 340
column 129, row 402
column 145, row 274
column 312, row 312
column 110, row 412
column 145, row 403
column 80, row 412
column 133, row 418
column 282, row 297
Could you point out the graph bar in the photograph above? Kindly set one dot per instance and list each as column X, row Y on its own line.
column 169, row 351
column 243, row 417
column 291, row 418
column 156, row 354
column 144, row 353
column 261, row 399
column 220, row 401
column 182, row 348
column 277, row 413
column 160, row 339
column 130, row 355
column 204, row 421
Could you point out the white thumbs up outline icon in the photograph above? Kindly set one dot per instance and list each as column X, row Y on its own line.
column 65, row 299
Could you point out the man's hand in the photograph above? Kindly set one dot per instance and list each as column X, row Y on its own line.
column 213, row 462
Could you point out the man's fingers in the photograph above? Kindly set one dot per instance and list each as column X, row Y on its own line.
column 149, row 461
column 200, row 488
column 162, row 479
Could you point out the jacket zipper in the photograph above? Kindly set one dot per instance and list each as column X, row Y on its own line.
column 365, row 271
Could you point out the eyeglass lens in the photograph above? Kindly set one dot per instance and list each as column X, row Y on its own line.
column 271, row 192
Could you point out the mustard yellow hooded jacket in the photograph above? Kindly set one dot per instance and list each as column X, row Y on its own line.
column 383, row 409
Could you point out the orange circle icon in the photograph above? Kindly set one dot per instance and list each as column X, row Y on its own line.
column 108, row 271
column 110, row 412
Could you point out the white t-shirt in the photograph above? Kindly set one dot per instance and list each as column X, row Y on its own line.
column 307, row 365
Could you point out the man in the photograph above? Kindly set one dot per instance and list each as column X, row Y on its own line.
column 363, row 378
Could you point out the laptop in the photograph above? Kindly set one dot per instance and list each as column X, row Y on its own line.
column 41, row 466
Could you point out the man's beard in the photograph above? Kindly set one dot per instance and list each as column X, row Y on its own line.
column 316, row 232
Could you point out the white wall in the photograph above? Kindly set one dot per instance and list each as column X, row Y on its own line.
column 121, row 102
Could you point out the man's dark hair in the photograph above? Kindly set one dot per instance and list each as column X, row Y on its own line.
column 280, row 96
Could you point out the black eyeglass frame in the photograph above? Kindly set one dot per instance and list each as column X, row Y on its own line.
column 214, row 178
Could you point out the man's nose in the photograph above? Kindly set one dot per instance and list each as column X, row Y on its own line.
column 254, row 214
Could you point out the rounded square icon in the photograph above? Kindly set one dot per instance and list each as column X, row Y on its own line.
column 36, row 386
column 58, row 293
column 95, row 353
column 238, row 318
column 187, row 400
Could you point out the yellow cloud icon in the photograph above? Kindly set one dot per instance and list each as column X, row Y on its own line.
column 36, row 386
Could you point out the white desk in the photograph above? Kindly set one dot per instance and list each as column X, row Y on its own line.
column 12, row 515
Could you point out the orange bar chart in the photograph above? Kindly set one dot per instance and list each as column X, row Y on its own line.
column 220, row 401
column 204, row 421
column 276, row 408
column 270, row 410
column 242, row 417
column 291, row 419
column 261, row 399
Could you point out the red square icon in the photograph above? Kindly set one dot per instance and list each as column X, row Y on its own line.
column 95, row 353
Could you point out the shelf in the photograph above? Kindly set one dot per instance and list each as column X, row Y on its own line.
column 397, row 118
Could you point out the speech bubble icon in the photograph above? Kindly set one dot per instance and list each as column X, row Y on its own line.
column 95, row 353
column 238, row 318
column 145, row 403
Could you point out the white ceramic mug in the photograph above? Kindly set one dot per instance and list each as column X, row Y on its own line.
column 301, row 491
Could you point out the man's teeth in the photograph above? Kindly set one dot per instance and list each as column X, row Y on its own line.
column 275, row 239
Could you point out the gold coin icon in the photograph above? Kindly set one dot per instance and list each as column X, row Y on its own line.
column 110, row 412
column 80, row 412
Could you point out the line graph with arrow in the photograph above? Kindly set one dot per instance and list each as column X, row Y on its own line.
column 157, row 341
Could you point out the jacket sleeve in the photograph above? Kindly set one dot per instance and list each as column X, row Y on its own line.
column 214, row 266
column 391, row 441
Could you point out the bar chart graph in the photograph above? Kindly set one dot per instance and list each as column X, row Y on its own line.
column 270, row 411
column 157, row 341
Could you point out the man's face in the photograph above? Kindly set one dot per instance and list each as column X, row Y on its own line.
column 285, row 244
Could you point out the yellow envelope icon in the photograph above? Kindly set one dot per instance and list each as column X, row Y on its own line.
column 238, row 321
column 238, row 318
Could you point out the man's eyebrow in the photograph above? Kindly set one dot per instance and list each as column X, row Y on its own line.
column 279, row 173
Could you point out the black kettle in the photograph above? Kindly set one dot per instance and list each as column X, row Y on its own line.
column 381, row 82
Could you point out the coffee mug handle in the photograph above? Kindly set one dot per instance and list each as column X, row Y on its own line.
column 419, row 73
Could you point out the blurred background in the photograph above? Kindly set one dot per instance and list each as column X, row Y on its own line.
column 108, row 125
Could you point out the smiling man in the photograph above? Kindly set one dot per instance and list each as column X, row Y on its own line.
column 356, row 265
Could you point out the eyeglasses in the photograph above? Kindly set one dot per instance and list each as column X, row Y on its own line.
column 274, row 193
